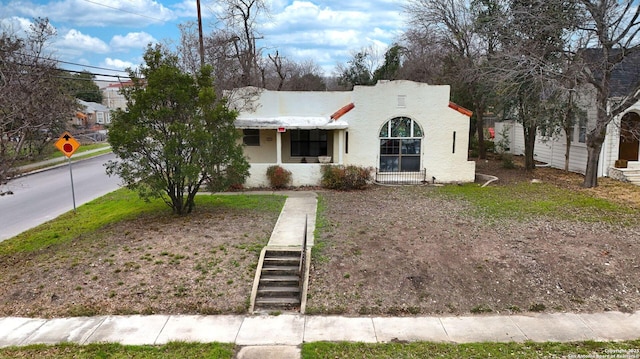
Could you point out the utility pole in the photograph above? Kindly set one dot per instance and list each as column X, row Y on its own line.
column 200, row 35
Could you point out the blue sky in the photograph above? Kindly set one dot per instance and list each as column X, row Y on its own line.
column 113, row 33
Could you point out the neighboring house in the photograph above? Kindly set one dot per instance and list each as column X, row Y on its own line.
column 621, row 141
column 112, row 97
column 92, row 114
column 405, row 131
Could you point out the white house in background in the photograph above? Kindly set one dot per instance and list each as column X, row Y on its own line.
column 112, row 97
column 621, row 141
column 406, row 131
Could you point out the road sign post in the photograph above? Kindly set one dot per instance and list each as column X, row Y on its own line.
column 68, row 145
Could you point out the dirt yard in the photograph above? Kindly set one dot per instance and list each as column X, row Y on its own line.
column 386, row 250
column 402, row 251
column 204, row 263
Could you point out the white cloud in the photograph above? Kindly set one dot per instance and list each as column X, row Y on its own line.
column 98, row 13
column 336, row 28
column 15, row 25
column 117, row 64
column 77, row 42
column 307, row 15
column 133, row 40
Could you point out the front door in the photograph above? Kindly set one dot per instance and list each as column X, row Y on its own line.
column 629, row 137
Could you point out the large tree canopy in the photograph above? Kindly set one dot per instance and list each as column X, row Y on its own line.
column 80, row 85
column 33, row 109
column 175, row 134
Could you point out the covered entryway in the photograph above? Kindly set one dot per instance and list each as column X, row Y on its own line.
column 629, row 137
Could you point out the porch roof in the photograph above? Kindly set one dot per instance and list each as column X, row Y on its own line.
column 290, row 122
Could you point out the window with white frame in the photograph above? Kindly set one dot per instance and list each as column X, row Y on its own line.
column 400, row 145
column 582, row 131
column 100, row 117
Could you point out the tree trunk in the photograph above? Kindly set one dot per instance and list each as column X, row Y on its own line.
column 567, row 152
column 529, row 145
column 482, row 151
column 595, row 139
column 594, row 146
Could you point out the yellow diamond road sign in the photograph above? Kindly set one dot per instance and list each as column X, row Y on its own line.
column 67, row 144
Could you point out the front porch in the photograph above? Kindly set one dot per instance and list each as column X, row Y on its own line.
column 629, row 174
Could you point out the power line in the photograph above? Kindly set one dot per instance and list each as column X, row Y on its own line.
column 69, row 63
column 123, row 10
column 89, row 66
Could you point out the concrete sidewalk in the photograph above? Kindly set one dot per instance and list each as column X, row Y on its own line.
column 57, row 162
column 293, row 330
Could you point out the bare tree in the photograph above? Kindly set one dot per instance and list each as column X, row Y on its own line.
column 33, row 106
column 306, row 76
column 240, row 18
column 612, row 26
column 423, row 57
column 530, row 63
column 187, row 48
column 452, row 24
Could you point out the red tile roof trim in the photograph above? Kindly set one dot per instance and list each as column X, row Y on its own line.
column 460, row 109
column 336, row 115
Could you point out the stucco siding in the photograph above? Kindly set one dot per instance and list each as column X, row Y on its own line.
column 307, row 174
column 266, row 152
column 427, row 106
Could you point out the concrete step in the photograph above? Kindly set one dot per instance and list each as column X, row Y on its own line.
column 279, row 284
column 280, row 280
column 281, row 270
column 286, row 261
column 272, row 291
column 284, row 303
column 280, row 253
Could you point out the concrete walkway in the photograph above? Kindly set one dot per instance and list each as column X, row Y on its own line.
column 289, row 228
column 293, row 330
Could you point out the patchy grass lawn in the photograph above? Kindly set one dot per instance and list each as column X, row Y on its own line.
column 628, row 349
column 121, row 255
column 324, row 350
column 511, row 247
column 170, row 351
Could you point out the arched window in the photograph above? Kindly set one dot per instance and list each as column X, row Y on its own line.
column 400, row 141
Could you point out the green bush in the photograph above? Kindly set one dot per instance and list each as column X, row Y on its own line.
column 507, row 161
column 489, row 146
column 345, row 178
column 278, row 177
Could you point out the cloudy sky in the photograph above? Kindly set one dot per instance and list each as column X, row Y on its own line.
column 112, row 34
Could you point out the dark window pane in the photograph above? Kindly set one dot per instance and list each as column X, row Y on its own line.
column 384, row 131
column 410, row 164
column 389, row 147
column 389, row 163
column 251, row 137
column 308, row 143
column 411, row 147
column 417, row 130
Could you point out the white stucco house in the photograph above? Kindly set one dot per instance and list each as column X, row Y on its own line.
column 404, row 131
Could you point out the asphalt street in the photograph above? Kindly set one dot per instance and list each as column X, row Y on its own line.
column 42, row 196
